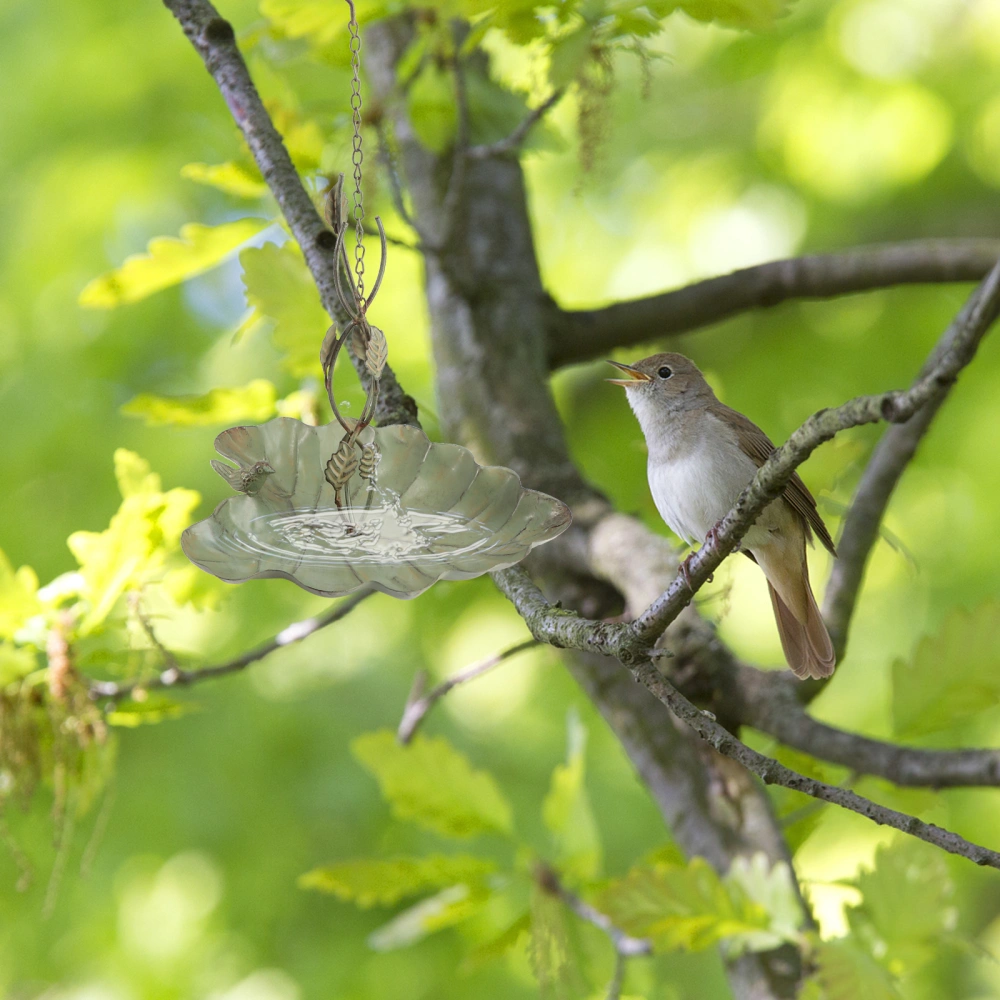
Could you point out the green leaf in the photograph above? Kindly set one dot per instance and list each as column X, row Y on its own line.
column 253, row 402
column 907, row 907
column 319, row 21
column 844, row 971
column 689, row 907
column 771, row 887
column 952, row 676
column 152, row 709
column 569, row 55
column 146, row 529
column 373, row 881
column 431, row 106
column 233, row 178
column 499, row 946
column 189, row 585
column 18, row 597
column 16, row 662
column 449, row 907
column 755, row 15
column 432, row 784
column 280, row 288
column 567, row 812
column 169, row 261
column 548, row 948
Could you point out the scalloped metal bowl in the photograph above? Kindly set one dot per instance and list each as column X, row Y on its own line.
column 435, row 515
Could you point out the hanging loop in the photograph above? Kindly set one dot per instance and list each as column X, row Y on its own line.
column 357, row 155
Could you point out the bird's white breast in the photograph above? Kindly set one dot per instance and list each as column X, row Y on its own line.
column 696, row 472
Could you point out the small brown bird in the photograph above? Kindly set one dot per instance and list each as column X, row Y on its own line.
column 702, row 454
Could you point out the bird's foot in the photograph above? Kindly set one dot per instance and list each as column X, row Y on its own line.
column 685, row 571
column 712, row 538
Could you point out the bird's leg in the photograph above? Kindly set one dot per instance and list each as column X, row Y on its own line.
column 712, row 538
column 685, row 571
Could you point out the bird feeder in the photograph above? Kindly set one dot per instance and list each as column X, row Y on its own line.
column 343, row 506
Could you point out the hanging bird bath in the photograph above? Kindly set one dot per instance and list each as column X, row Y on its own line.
column 432, row 514
column 345, row 506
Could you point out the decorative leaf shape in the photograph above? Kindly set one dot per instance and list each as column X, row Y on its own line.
column 374, row 881
column 280, row 288
column 377, row 353
column 233, row 178
column 567, row 812
column 146, row 529
column 449, row 907
column 951, row 677
column 169, row 261
column 369, row 461
column 254, row 402
column 342, row 465
column 430, row 783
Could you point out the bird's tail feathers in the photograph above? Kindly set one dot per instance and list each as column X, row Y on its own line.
column 804, row 639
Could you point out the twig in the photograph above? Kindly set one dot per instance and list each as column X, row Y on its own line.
column 768, row 703
column 214, row 39
column 773, row 773
column 884, row 470
column 631, row 643
column 580, row 335
column 396, row 185
column 419, row 704
column 175, row 677
column 513, row 142
column 135, row 598
column 624, row 944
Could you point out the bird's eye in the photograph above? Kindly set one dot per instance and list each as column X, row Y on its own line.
column 665, row 372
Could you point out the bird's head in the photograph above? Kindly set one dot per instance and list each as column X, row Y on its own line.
column 664, row 383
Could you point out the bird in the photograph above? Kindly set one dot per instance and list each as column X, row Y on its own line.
column 702, row 454
column 244, row 479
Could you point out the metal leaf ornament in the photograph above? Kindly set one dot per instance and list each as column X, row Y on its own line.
column 377, row 353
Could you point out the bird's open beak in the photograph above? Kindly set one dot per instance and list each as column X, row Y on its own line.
column 634, row 375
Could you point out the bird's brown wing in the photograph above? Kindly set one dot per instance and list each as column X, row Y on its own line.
column 758, row 447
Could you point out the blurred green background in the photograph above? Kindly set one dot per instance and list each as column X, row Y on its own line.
column 854, row 122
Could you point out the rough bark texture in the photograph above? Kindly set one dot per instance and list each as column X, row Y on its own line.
column 489, row 317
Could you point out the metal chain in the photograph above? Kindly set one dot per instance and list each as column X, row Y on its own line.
column 357, row 156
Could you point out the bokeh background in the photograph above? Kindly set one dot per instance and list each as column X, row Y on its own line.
column 852, row 122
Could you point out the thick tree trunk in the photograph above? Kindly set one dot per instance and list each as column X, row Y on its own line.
column 489, row 316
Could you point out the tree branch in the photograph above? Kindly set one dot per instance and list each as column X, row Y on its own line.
column 767, row 701
column 773, row 773
column 882, row 473
column 629, row 555
column 580, row 335
column 174, row 676
column 419, row 704
column 215, row 41
column 631, row 643
column 512, row 143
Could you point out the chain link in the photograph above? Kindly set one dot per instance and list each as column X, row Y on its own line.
column 357, row 156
